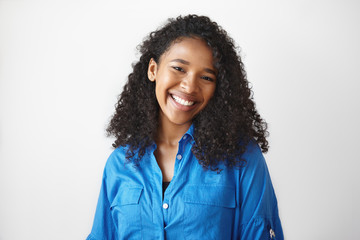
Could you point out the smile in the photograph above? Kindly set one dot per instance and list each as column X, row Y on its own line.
column 182, row 101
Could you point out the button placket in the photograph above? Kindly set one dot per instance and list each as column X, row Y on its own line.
column 165, row 206
column 165, row 210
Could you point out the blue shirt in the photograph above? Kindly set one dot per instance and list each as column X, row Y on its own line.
column 237, row 203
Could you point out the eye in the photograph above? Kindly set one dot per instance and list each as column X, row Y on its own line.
column 178, row 69
column 207, row 78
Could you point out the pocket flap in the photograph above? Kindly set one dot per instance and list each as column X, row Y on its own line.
column 127, row 196
column 216, row 195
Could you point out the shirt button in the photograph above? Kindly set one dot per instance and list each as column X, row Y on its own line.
column 184, row 137
column 179, row 157
column 165, row 206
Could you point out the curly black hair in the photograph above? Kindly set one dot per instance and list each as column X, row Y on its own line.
column 222, row 130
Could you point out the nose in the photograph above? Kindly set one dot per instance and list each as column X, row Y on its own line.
column 189, row 83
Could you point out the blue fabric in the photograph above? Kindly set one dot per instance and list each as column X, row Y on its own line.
column 198, row 204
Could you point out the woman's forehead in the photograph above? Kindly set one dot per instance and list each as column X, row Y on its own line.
column 189, row 48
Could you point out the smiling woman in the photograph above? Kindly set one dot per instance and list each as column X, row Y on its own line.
column 188, row 162
column 185, row 81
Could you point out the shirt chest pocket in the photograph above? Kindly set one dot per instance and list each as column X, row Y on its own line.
column 209, row 211
column 126, row 212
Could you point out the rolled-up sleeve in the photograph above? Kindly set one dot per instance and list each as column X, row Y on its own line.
column 259, row 210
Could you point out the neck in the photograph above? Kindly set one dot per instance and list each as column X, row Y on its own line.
column 170, row 133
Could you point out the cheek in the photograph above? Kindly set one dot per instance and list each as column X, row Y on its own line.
column 207, row 99
column 161, row 92
column 158, row 95
column 163, row 85
column 210, row 93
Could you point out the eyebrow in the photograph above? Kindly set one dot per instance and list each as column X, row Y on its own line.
column 187, row 63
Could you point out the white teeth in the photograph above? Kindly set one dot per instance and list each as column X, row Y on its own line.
column 182, row 101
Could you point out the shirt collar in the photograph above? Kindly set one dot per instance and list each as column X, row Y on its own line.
column 190, row 131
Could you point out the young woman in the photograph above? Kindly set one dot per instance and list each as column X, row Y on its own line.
column 188, row 160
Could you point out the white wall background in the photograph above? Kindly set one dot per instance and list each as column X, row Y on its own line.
column 63, row 63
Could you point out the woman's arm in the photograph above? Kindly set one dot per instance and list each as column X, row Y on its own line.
column 259, row 210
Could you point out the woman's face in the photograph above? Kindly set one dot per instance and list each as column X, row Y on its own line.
column 185, row 80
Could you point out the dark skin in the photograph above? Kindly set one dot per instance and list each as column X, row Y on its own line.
column 185, row 82
column 167, row 146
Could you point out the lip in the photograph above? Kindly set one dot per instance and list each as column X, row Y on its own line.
column 184, row 96
column 180, row 106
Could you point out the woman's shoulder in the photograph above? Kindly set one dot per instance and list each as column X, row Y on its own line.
column 117, row 159
column 253, row 157
column 118, row 154
column 252, row 149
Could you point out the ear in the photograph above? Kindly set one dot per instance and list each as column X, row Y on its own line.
column 152, row 70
